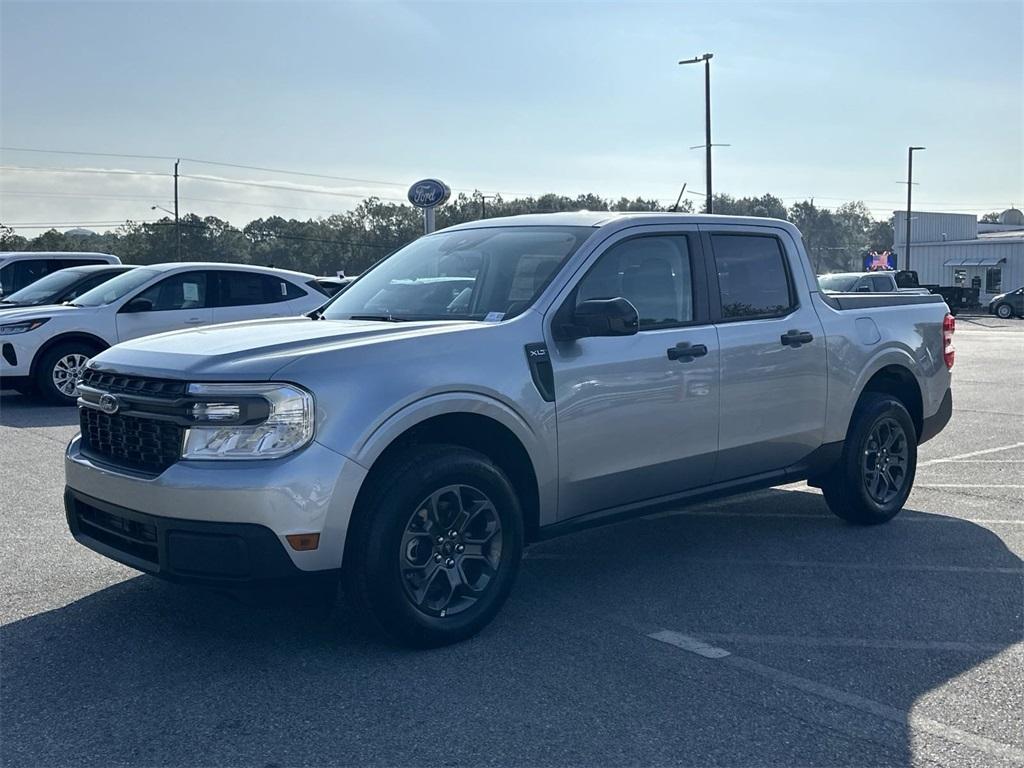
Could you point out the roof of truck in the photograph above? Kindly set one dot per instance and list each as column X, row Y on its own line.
column 604, row 218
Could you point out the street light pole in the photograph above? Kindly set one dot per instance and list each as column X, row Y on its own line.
column 706, row 58
column 177, row 223
column 910, row 189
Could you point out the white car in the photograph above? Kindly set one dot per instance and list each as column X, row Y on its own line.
column 46, row 348
column 21, row 268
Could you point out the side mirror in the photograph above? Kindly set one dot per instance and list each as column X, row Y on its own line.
column 138, row 305
column 602, row 317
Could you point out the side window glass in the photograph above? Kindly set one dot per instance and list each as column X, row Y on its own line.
column 241, row 289
column 294, row 292
column 26, row 272
column 752, row 277
column 881, row 284
column 184, row 291
column 653, row 273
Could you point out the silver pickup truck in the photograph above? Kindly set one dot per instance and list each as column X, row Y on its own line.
column 494, row 384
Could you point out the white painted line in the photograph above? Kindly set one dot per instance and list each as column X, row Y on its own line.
column 964, row 485
column 970, row 455
column 910, row 720
column 827, row 518
column 905, row 719
column 687, row 643
column 863, row 642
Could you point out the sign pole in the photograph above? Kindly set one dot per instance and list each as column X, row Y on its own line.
column 427, row 195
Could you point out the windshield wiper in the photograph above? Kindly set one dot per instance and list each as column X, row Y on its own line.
column 381, row 318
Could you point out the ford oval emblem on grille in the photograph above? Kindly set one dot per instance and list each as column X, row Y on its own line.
column 109, row 404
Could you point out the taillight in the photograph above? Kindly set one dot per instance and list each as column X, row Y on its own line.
column 948, row 351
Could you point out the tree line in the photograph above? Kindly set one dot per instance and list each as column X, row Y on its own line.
column 353, row 240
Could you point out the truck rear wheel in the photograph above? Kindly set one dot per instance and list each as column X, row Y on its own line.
column 875, row 475
column 434, row 547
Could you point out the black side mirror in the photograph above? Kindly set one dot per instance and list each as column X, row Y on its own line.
column 138, row 305
column 602, row 317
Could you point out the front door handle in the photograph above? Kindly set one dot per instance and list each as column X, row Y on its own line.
column 796, row 338
column 194, row 321
column 686, row 352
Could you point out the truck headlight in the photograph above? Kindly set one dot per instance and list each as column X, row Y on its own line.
column 247, row 421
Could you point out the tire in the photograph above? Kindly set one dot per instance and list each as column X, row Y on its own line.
column 58, row 368
column 1005, row 311
column 871, row 483
column 403, row 572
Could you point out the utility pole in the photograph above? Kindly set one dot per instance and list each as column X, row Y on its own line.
column 706, row 58
column 177, row 222
column 910, row 189
column 483, row 204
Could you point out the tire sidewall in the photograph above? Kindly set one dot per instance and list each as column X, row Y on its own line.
column 869, row 413
column 1004, row 311
column 44, row 385
column 390, row 515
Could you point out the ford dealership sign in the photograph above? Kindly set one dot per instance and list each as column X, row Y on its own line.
column 429, row 193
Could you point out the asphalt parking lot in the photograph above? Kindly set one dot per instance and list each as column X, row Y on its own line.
column 756, row 631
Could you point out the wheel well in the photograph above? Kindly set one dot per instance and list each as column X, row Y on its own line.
column 899, row 382
column 86, row 338
column 482, row 434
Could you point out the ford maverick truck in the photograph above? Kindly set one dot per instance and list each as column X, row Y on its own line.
column 494, row 384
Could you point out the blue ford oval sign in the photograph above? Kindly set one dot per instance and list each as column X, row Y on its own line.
column 429, row 193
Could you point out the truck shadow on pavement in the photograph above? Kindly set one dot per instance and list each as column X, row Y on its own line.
column 22, row 412
column 147, row 673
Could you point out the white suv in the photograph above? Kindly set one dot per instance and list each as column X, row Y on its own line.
column 46, row 348
column 21, row 268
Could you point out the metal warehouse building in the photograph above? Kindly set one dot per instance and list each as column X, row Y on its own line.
column 955, row 249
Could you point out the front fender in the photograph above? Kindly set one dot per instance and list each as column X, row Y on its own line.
column 536, row 434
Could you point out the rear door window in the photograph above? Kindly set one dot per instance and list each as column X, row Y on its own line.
column 753, row 278
column 243, row 289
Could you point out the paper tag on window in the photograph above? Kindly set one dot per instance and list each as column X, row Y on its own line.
column 190, row 291
column 284, row 288
column 494, row 317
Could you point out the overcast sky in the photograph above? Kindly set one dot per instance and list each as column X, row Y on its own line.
column 815, row 100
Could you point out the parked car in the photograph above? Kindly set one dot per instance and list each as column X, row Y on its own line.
column 19, row 269
column 600, row 366
column 46, row 348
column 332, row 285
column 1007, row 305
column 63, row 285
column 864, row 282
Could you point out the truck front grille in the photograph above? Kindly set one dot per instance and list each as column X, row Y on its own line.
column 118, row 384
column 136, row 443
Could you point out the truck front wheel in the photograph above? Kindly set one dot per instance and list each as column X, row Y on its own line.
column 435, row 545
column 874, row 477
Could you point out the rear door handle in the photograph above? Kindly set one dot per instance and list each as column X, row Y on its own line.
column 686, row 352
column 194, row 320
column 796, row 338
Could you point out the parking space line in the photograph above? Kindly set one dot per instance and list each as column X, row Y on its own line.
column 826, row 518
column 687, row 643
column 970, row 455
column 906, row 719
column 861, row 642
column 965, row 485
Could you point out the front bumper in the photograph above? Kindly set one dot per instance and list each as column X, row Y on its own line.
column 311, row 491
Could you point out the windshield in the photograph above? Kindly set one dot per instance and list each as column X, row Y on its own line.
column 115, row 288
column 837, row 283
column 476, row 274
column 47, row 289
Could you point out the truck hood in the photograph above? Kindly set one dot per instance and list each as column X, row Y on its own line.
column 254, row 350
